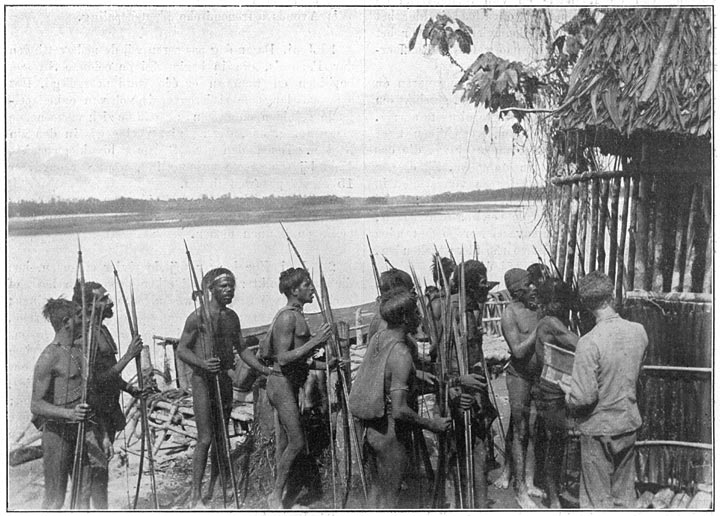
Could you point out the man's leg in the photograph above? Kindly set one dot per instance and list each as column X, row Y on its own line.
column 552, row 419
column 623, row 478
column 281, row 396
column 203, row 420
column 519, row 394
column 503, row 481
column 480, row 457
column 595, row 472
column 99, row 487
column 57, row 463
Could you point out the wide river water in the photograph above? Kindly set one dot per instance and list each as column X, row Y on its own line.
column 44, row 266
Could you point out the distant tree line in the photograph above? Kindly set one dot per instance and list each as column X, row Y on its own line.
column 227, row 203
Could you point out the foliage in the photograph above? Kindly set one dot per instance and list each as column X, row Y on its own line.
column 228, row 204
column 499, row 84
column 605, row 90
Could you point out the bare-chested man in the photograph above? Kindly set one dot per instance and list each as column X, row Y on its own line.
column 381, row 397
column 518, row 323
column 212, row 356
column 555, row 300
column 292, row 347
column 55, row 405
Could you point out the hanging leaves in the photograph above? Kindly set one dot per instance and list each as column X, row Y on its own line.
column 411, row 45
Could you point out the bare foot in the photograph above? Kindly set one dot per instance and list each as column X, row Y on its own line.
column 525, row 501
column 198, row 503
column 503, row 481
column 535, row 491
column 274, row 502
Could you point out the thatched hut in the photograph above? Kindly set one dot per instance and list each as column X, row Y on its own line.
column 640, row 100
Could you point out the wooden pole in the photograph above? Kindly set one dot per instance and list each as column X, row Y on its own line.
column 595, row 202
column 632, row 243
column 622, row 237
column 651, row 233
column 602, row 221
column 642, row 229
column 574, row 193
column 613, row 227
column 662, row 222
column 685, row 192
column 582, row 228
column 691, row 230
column 563, row 229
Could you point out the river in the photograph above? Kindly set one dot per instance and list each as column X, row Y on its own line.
column 44, row 266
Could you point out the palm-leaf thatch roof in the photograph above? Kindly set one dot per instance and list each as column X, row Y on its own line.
column 613, row 98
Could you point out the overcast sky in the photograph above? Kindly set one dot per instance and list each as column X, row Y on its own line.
column 184, row 101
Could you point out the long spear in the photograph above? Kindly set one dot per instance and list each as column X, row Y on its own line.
column 206, row 318
column 465, row 369
column 145, row 427
column 374, row 266
column 354, row 441
column 77, row 471
column 445, row 342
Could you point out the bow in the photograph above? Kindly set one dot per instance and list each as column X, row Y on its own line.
column 327, row 318
column 206, row 319
column 132, row 321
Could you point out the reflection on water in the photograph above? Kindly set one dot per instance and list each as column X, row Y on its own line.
column 43, row 266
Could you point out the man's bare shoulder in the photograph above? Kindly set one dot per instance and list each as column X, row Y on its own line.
column 49, row 356
column 400, row 355
column 286, row 319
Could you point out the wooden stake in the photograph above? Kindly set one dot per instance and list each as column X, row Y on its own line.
column 602, row 221
column 632, row 244
column 572, row 233
column 661, row 228
column 595, row 202
column 691, row 230
column 562, row 222
column 613, row 227
column 582, row 229
column 622, row 236
column 651, row 232
column 681, row 244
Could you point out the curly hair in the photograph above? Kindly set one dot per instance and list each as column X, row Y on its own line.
column 595, row 289
column 291, row 279
column 58, row 310
column 396, row 306
column 395, row 278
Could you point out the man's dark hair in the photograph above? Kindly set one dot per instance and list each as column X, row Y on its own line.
column 475, row 280
column 213, row 274
column 395, row 278
column 447, row 265
column 539, row 273
column 396, row 305
column 292, row 278
column 58, row 310
column 556, row 297
column 595, row 289
column 89, row 296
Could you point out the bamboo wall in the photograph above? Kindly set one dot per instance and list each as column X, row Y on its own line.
column 675, row 387
column 647, row 228
column 648, row 224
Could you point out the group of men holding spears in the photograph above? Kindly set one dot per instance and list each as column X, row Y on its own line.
column 77, row 385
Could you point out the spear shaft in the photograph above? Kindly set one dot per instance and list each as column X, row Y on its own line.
column 206, row 318
column 131, row 314
column 77, row 471
column 355, row 444
column 374, row 266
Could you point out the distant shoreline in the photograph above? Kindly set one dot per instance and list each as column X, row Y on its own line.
column 61, row 224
